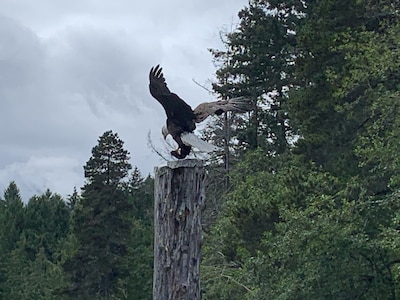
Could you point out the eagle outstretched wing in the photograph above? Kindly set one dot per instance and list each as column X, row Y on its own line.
column 203, row 110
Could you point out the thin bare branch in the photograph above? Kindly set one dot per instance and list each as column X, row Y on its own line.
column 202, row 86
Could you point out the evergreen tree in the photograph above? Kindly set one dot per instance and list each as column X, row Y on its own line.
column 321, row 222
column 11, row 218
column 259, row 63
column 141, row 194
column 345, row 51
column 29, row 279
column 73, row 199
column 12, row 224
column 101, row 224
column 46, row 225
column 32, row 266
column 370, row 88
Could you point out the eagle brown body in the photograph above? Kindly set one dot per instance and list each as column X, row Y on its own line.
column 180, row 116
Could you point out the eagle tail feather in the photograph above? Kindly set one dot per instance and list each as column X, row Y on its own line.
column 193, row 140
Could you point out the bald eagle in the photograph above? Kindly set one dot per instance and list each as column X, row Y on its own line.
column 182, row 119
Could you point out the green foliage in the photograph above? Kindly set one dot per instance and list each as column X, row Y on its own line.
column 11, row 209
column 109, row 164
column 344, row 66
column 11, row 226
column 46, row 223
column 292, row 234
column 318, row 220
column 255, row 208
column 31, row 265
column 325, row 251
column 258, row 64
column 140, row 261
column 374, row 59
column 37, row 279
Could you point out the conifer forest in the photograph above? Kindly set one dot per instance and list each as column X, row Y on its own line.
column 302, row 203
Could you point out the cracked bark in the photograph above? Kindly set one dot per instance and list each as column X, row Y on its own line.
column 179, row 198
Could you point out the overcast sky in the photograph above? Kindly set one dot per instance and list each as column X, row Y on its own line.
column 70, row 70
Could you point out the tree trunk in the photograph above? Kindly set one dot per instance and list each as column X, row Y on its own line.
column 179, row 197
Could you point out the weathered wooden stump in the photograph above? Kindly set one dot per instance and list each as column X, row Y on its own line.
column 179, row 197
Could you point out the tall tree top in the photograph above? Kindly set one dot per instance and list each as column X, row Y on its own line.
column 109, row 162
column 12, row 195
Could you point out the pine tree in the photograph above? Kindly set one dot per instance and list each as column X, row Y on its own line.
column 320, row 222
column 342, row 54
column 73, row 199
column 46, row 225
column 259, row 63
column 43, row 226
column 33, row 279
column 141, row 192
column 101, row 224
column 11, row 226
column 12, row 217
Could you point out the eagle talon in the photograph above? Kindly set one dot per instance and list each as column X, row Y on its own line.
column 176, row 154
column 181, row 152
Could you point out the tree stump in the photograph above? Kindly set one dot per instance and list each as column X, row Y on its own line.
column 179, row 197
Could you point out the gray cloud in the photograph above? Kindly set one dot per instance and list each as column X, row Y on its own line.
column 71, row 70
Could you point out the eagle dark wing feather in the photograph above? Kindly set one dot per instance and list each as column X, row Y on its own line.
column 177, row 110
column 158, row 86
